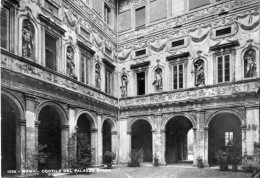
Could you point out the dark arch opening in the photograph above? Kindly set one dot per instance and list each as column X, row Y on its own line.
column 224, row 129
column 107, row 144
column 142, row 139
column 50, row 136
column 84, row 137
column 177, row 139
column 10, row 115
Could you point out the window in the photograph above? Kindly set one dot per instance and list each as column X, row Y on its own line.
column 140, row 52
column 228, row 138
column 84, row 68
column 178, row 76
column 223, row 31
column 140, row 83
column 50, row 52
column 108, row 87
column 193, row 4
column 140, row 17
column 5, row 29
column 178, row 43
column 107, row 14
column 223, row 63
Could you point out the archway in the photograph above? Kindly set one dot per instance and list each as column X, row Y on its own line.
column 142, row 139
column 177, row 139
column 49, row 135
column 107, row 136
column 84, row 125
column 9, row 134
column 224, row 130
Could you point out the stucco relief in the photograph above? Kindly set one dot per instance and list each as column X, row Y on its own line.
column 192, row 95
column 214, row 9
column 27, row 69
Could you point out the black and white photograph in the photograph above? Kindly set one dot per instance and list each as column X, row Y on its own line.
column 130, row 88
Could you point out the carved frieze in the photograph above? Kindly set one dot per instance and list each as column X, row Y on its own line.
column 194, row 94
column 39, row 73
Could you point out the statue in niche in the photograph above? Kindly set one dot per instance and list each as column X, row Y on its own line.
column 27, row 39
column 199, row 73
column 97, row 76
column 158, row 80
column 123, row 87
column 70, row 63
column 250, row 65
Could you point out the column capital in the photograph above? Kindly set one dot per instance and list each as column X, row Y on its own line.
column 22, row 122
column 30, row 97
column 194, row 129
column 93, row 130
column 206, row 128
column 65, row 127
column 37, row 123
column 129, row 132
column 249, row 107
column 113, row 132
column 243, row 127
column 201, row 111
column 163, row 130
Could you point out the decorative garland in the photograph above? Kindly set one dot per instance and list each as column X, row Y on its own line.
column 249, row 28
column 198, row 40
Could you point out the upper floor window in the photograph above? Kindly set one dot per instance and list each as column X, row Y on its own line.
column 50, row 52
column 228, row 138
column 193, row 4
column 84, row 68
column 107, row 14
column 109, row 79
column 178, row 76
column 223, row 65
column 140, row 83
column 5, row 28
column 140, row 17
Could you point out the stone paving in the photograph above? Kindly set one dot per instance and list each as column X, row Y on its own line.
column 171, row 171
column 162, row 172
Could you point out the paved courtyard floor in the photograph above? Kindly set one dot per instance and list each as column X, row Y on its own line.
column 170, row 171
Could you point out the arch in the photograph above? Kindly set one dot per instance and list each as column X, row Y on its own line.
column 16, row 101
column 62, row 113
column 92, row 120
column 189, row 117
column 231, row 111
column 129, row 127
column 111, row 122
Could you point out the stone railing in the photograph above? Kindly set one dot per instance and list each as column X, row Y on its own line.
column 185, row 18
column 18, row 64
column 193, row 94
column 93, row 17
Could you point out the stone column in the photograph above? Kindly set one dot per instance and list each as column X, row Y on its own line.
column 163, row 147
column 99, row 146
column 30, row 132
column 124, row 141
column 21, row 147
column 157, row 138
column 201, row 147
column 114, row 143
column 194, row 146
column 94, row 143
column 243, row 128
column 252, row 130
column 64, row 146
column 206, row 147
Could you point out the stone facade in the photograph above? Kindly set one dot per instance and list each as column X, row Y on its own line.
column 92, row 71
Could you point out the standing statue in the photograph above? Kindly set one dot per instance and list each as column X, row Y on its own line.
column 199, row 73
column 27, row 39
column 97, row 76
column 124, row 86
column 158, row 80
column 250, row 66
column 70, row 63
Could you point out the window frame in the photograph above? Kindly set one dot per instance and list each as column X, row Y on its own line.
column 7, row 28
column 56, row 50
column 223, row 68
column 109, row 84
column 107, row 14
column 137, row 84
column 229, row 138
column 84, row 56
column 178, row 76
column 145, row 17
